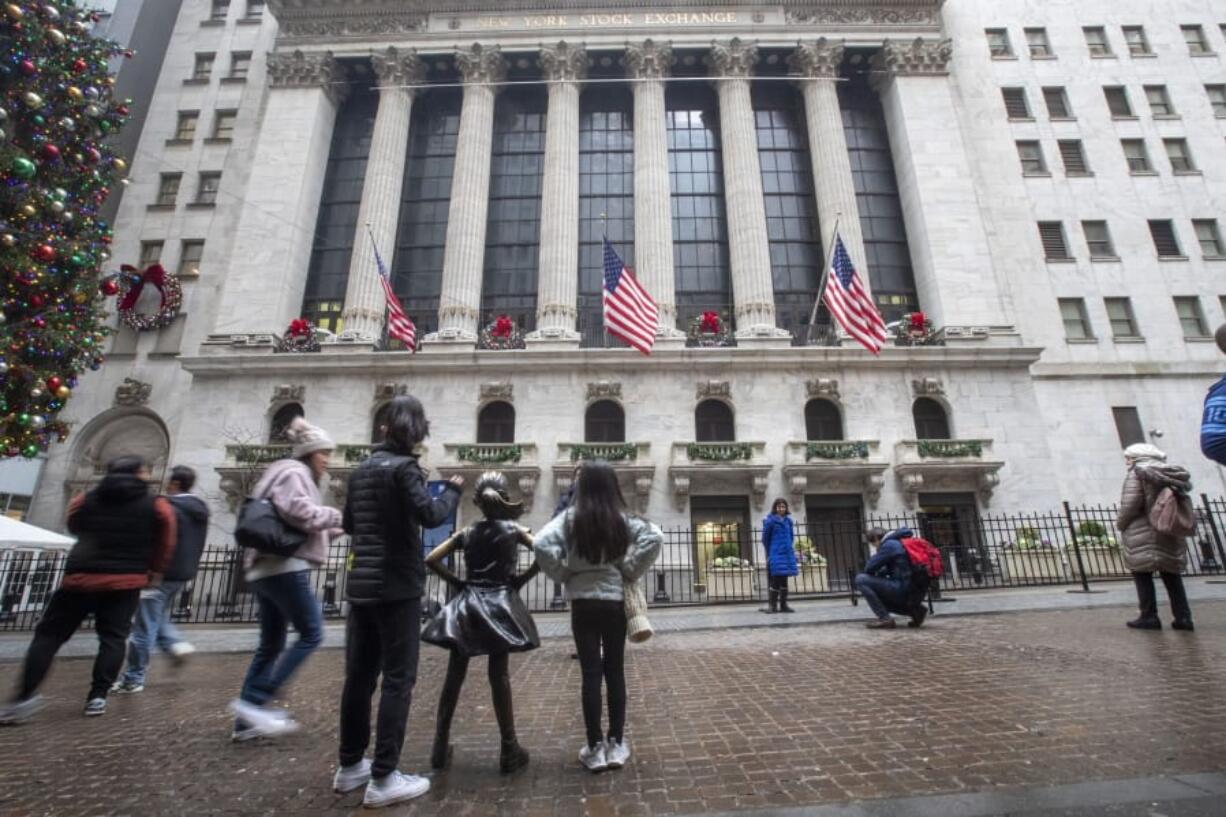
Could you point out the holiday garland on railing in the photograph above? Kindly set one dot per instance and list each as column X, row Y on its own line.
column 612, row 452
column 719, row 452
column 855, row 450
column 950, row 448
column 56, row 169
column 490, row 454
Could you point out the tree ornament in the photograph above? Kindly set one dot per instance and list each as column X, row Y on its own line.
column 27, row 68
column 54, row 382
column 44, row 253
column 23, row 168
column 74, row 93
column 109, row 287
column 79, row 65
column 63, row 392
column 56, row 36
column 13, row 10
column 51, row 153
column 32, row 100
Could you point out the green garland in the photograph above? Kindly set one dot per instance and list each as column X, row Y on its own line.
column 611, row 452
column 719, row 452
column 950, row 448
column 490, row 455
column 356, row 453
column 856, row 450
column 258, row 454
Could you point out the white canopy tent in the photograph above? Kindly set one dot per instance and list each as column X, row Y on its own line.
column 14, row 535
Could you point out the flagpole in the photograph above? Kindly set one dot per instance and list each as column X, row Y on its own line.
column 821, row 284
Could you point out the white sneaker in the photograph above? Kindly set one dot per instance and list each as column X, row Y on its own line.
column 261, row 722
column 593, row 758
column 181, row 650
column 348, row 778
column 395, row 788
column 617, row 753
column 17, row 712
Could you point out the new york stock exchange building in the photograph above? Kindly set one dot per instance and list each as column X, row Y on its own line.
column 1035, row 203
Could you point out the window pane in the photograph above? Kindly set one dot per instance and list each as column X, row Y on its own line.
column 1072, row 312
column 1191, row 319
column 1128, row 425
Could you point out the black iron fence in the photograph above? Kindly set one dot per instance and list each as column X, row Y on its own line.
column 1073, row 546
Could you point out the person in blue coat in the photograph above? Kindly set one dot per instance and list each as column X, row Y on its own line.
column 779, row 540
column 1213, row 423
column 886, row 580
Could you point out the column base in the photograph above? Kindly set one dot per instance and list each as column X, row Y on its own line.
column 554, row 343
column 669, row 342
column 448, row 341
column 551, row 333
column 763, row 336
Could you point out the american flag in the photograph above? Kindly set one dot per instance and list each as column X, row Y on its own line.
column 398, row 324
column 850, row 304
column 629, row 312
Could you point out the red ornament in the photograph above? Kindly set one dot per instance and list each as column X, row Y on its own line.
column 51, row 153
column 40, row 322
column 109, row 287
column 36, row 300
column 92, row 155
column 54, row 382
column 79, row 65
column 918, row 321
column 27, row 67
column 502, row 327
column 122, row 110
column 710, row 322
column 44, row 253
column 299, row 327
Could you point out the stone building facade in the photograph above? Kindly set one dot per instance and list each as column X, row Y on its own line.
column 1047, row 185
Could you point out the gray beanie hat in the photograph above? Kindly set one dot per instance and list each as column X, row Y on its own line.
column 307, row 439
column 1144, row 451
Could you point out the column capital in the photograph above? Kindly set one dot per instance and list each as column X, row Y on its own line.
column 817, row 60
column 481, row 64
column 298, row 69
column 397, row 68
column 648, row 59
column 922, row 57
column 734, row 58
column 563, row 62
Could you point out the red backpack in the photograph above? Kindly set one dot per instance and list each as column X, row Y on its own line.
column 923, row 555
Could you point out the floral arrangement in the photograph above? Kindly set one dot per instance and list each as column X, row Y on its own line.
column 730, row 562
column 131, row 283
column 914, row 329
column 299, row 337
column 1094, row 535
column 501, row 334
column 709, row 329
column 1028, row 539
column 728, row 555
column 806, row 552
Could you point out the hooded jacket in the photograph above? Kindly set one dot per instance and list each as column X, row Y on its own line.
column 562, row 562
column 123, row 535
column 1144, row 549
column 289, row 485
column 779, row 539
column 891, row 560
column 191, row 524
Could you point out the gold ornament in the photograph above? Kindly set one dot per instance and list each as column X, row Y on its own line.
column 8, row 240
column 63, row 392
column 14, row 11
column 74, row 93
column 121, row 165
column 28, row 210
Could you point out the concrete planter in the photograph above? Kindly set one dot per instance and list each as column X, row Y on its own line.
column 813, row 578
column 1033, row 564
column 730, row 582
column 1098, row 561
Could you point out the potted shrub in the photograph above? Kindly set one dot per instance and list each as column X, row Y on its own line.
column 1029, row 556
column 1100, row 552
column 813, row 576
column 729, row 576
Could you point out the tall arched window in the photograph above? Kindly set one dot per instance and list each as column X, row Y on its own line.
column 605, row 422
column 823, row 421
column 376, row 430
column 496, row 423
column 281, row 420
column 931, row 422
column 713, row 422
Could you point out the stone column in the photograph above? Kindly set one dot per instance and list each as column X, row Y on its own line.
column 950, row 254
column 263, row 287
column 460, row 301
column 748, row 248
column 648, row 63
column 557, row 286
column 834, row 188
column 365, row 304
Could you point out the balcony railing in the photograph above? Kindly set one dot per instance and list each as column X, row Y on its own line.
column 260, row 455
column 719, row 452
column 616, row 453
column 836, row 450
column 951, row 448
column 489, row 453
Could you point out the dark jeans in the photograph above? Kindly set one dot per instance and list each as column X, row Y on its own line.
column 777, row 582
column 379, row 638
column 599, row 628
column 884, row 596
column 284, row 599
column 112, row 610
column 1148, row 599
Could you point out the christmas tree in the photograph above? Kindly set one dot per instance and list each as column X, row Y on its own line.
column 56, row 169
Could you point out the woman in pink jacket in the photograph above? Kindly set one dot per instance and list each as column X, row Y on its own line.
column 282, row 585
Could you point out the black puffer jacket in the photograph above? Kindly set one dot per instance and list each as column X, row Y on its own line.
column 387, row 504
column 192, row 516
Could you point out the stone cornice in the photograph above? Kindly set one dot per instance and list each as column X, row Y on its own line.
column 396, row 67
column 734, row 58
column 648, row 59
column 922, row 57
column 299, row 70
column 825, row 11
column 817, row 60
column 563, row 62
column 481, row 64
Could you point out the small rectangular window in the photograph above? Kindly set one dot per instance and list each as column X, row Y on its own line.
column 1015, row 103
column 1073, row 155
column 1098, row 240
column 1221, row 301
column 1031, row 155
column 1217, row 98
column 324, row 314
column 1057, row 103
column 1165, row 242
column 1128, row 425
column 1119, row 315
column 223, row 124
column 218, row 9
column 203, row 67
column 1191, row 318
column 1137, row 155
column 206, row 191
column 255, row 9
column 185, row 129
column 190, row 253
column 1194, row 36
column 998, row 43
column 150, row 253
column 1138, row 43
column 1209, row 237
column 1117, row 101
column 1096, row 41
column 1179, row 155
column 1076, row 322
column 1037, row 42
column 1159, row 101
column 1055, row 248
column 168, row 189
column 240, row 64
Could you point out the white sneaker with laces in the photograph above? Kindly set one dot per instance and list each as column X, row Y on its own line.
column 260, row 721
column 593, row 758
column 397, row 787
column 17, row 712
column 348, row 778
column 617, row 753
column 181, row 650
column 95, row 707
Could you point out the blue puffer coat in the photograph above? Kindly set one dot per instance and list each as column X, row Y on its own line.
column 779, row 541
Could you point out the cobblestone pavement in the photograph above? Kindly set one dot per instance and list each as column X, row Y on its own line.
column 720, row 721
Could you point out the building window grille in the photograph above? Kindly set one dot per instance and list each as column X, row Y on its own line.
column 223, row 124
column 1098, row 240
column 1136, row 155
column 1037, row 42
column 1055, row 247
column 1159, row 101
column 1117, row 101
column 713, row 422
column 1072, row 155
column 1096, row 41
column 1031, row 156
column 1179, row 156
column 185, row 128
column 150, row 253
column 1138, row 43
column 1191, row 318
column 190, row 253
column 1016, row 105
column 1076, row 322
column 168, row 189
column 1194, row 36
column 823, row 420
column 1128, row 425
column 496, row 423
column 931, row 421
column 604, row 422
column 1119, row 315
column 1217, row 99
column 1209, row 237
column 998, row 43
column 204, row 67
column 1057, row 103
column 1165, row 241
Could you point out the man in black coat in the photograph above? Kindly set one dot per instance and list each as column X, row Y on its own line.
column 152, row 624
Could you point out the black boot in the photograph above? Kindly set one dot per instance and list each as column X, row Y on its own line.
column 1180, row 608
column 1147, row 601
column 773, row 602
column 783, row 601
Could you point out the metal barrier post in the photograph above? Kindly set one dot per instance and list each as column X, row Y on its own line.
column 661, row 596
column 1081, row 568
column 557, row 602
column 851, row 587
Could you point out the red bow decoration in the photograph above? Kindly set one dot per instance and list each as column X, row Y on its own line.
column 710, row 322
column 918, row 322
column 299, row 327
column 502, row 327
column 155, row 275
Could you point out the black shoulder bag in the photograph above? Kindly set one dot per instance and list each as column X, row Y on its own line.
column 261, row 528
